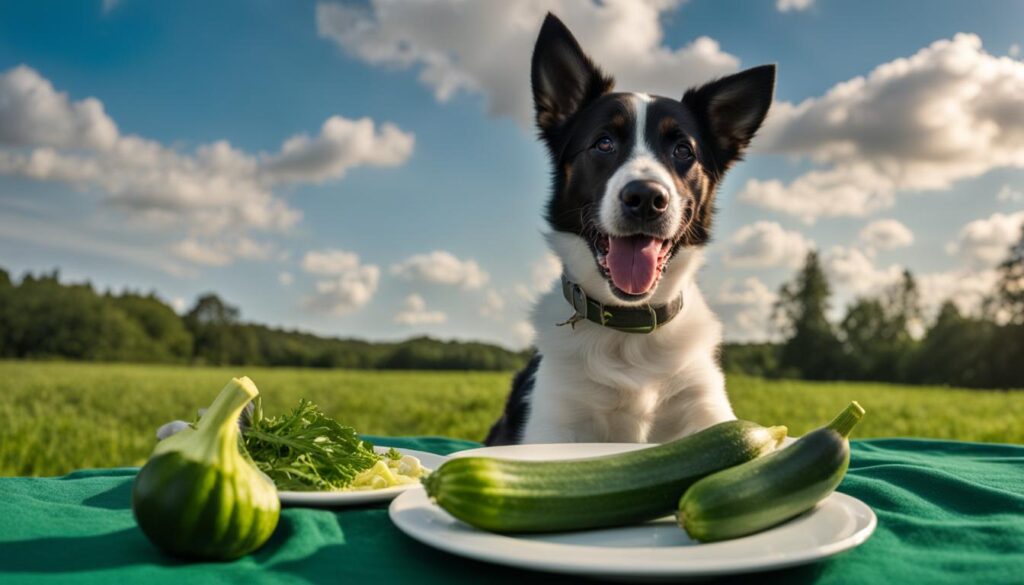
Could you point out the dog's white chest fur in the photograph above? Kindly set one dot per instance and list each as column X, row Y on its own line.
column 596, row 384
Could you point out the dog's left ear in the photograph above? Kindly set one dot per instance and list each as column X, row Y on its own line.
column 732, row 109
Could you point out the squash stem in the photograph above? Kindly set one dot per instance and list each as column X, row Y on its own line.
column 847, row 419
column 218, row 426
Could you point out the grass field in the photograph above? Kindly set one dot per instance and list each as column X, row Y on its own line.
column 55, row 417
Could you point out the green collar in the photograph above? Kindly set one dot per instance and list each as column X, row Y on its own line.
column 644, row 319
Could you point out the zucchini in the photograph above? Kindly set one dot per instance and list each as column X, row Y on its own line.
column 759, row 494
column 509, row 496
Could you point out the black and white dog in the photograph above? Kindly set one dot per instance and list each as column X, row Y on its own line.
column 634, row 180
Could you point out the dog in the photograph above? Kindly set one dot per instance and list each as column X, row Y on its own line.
column 626, row 346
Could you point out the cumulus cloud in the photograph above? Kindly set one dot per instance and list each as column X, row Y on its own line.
column 544, row 273
column 414, row 312
column 886, row 234
column 765, row 244
column 949, row 112
column 217, row 193
column 851, row 270
column 1008, row 194
column 966, row 287
column 350, row 286
column 221, row 251
column 341, row 145
column 986, row 242
column 330, row 262
column 746, row 309
column 523, row 332
column 793, row 5
column 484, row 47
column 441, row 267
column 493, row 305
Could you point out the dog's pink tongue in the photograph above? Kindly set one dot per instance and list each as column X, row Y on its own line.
column 633, row 262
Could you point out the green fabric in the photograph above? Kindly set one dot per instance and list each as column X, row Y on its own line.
column 948, row 513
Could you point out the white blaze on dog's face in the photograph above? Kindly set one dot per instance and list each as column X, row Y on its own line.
column 634, row 175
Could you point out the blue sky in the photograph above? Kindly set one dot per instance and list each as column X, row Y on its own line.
column 434, row 225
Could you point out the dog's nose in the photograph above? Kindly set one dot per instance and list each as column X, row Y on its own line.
column 644, row 199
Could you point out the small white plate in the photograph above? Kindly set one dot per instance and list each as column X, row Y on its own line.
column 359, row 497
column 654, row 551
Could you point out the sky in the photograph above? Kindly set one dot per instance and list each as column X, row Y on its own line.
column 369, row 169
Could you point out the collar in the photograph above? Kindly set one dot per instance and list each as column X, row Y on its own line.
column 642, row 319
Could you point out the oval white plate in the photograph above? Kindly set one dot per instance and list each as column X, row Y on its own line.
column 358, row 497
column 655, row 551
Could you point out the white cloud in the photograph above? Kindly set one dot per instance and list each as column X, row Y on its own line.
column 485, row 47
column 493, row 305
column 216, row 194
column 342, row 144
column 440, row 267
column 851, row 190
column 285, row 278
column 221, row 251
column 329, row 262
column 414, row 312
column 853, row 271
column 965, row 287
column 179, row 305
column 523, row 332
column 1014, row 50
column 199, row 253
column 986, row 242
column 745, row 308
column 1008, row 194
column 347, row 289
column 949, row 112
column 544, row 274
column 765, row 244
column 886, row 234
column 794, row 5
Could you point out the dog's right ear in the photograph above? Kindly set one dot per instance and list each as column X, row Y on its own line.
column 563, row 78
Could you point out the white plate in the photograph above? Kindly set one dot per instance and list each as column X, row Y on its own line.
column 655, row 551
column 358, row 497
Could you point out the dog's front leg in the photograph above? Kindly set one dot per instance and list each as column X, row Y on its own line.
column 699, row 403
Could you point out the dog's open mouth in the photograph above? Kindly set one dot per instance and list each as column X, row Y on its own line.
column 633, row 264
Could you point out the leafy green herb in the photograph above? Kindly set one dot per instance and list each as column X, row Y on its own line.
column 306, row 449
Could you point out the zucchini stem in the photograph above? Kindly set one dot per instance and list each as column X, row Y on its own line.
column 847, row 419
column 778, row 433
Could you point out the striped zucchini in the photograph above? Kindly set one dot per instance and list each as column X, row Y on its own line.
column 509, row 496
column 759, row 494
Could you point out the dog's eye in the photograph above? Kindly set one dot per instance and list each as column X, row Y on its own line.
column 682, row 151
column 605, row 145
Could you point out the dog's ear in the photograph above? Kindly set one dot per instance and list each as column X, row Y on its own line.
column 563, row 78
column 731, row 109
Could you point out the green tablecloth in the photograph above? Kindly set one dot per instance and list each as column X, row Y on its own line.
column 947, row 513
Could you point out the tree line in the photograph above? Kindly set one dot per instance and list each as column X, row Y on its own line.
column 887, row 338
column 42, row 318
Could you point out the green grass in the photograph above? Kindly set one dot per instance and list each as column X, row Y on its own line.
column 56, row 417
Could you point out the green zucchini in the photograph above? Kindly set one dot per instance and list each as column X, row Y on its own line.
column 509, row 496
column 764, row 492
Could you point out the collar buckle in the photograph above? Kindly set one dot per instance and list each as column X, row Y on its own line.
column 579, row 300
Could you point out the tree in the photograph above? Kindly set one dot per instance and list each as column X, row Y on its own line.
column 212, row 323
column 879, row 334
column 954, row 351
column 1009, row 296
column 811, row 349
